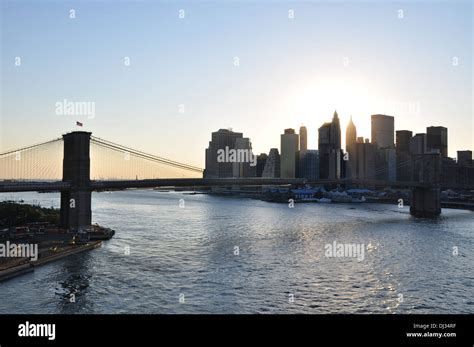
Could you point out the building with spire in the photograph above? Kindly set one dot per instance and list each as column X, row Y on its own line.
column 351, row 134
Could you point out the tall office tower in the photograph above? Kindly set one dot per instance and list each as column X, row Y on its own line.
column 272, row 165
column 465, row 158
column 403, row 157
column 403, row 140
column 289, row 143
column 361, row 160
column 309, row 164
column 261, row 161
column 351, row 134
column 303, row 138
column 385, row 164
column 437, row 139
column 329, row 141
column 242, row 168
column 220, row 140
column 382, row 128
column 335, row 164
column 418, row 144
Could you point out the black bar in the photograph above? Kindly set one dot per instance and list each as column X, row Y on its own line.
column 321, row 330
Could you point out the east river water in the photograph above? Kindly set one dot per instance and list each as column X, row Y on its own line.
column 212, row 254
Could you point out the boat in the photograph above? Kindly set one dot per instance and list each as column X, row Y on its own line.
column 98, row 233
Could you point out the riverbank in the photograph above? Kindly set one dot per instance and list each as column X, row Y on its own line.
column 20, row 266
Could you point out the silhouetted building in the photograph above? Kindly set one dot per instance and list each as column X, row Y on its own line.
column 309, row 164
column 329, row 141
column 272, row 165
column 288, row 159
column 465, row 158
column 335, row 164
column 261, row 161
column 403, row 157
column 418, row 144
column 303, row 138
column 351, row 134
column 361, row 163
column 243, row 168
column 220, row 140
column 385, row 164
column 403, row 140
column 382, row 129
column 437, row 139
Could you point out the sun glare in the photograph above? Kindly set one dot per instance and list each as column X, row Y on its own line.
column 313, row 103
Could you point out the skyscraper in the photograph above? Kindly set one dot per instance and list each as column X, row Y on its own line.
column 303, row 138
column 382, row 128
column 243, row 169
column 418, row 144
column 272, row 165
column 403, row 140
column 309, row 164
column 437, row 139
column 329, row 141
column 465, row 158
column 351, row 134
column 220, row 140
column 403, row 157
column 361, row 160
column 261, row 161
column 289, row 149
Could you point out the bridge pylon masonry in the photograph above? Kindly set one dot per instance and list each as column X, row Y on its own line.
column 76, row 202
column 426, row 201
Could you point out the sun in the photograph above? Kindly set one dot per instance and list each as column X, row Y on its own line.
column 314, row 101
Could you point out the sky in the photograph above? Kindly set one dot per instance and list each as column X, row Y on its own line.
column 162, row 84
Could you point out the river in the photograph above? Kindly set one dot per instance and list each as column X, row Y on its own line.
column 208, row 254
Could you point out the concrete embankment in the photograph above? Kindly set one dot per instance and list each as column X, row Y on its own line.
column 23, row 268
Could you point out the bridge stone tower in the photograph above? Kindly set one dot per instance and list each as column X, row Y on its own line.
column 76, row 202
column 426, row 201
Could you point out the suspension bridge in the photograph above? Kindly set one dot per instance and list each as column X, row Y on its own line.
column 78, row 163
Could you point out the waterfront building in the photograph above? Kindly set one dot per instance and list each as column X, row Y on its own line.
column 309, row 164
column 289, row 146
column 246, row 166
column 272, row 164
column 261, row 161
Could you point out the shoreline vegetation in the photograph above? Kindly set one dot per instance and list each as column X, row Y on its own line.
column 23, row 226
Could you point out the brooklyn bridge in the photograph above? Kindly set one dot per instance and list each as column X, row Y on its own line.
column 39, row 168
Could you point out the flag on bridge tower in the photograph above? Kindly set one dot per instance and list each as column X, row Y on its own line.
column 79, row 124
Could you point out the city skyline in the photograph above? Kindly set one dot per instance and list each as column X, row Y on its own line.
column 184, row 76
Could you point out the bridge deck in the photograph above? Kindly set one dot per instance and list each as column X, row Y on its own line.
column 25, row 186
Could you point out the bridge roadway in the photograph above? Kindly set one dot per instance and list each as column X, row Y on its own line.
column 26, row 186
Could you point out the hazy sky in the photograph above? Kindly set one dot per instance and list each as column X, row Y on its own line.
column 357, row 57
